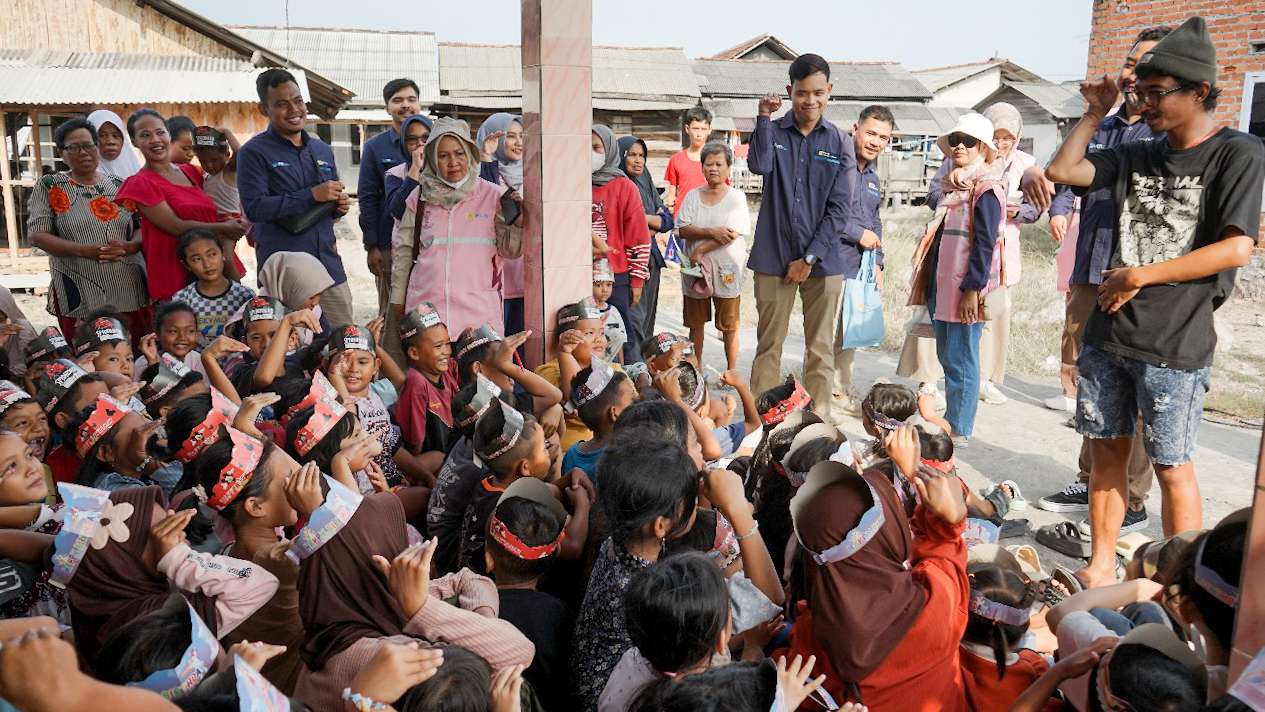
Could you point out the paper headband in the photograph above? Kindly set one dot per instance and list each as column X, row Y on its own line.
column 881, row 421
column 538, row 492
column 816, row 431
column 106, row 414
column 170, row 372
column 193, row 666
column 207, row 137
column 663, row 343
column 418, row 320
column 104, row 329
column 241, row 467
column 798, row 400
column 334, row 513
column 580, row 311
column 511, row 432
column 264, row 309
column 821, row 476
column 1211, row 581
column 10, row 395
column 945, row 466
column 600, row 376
column 515, row 546
column 485, row 393
column 602, row 271
column 1250, row 687
column 475, row 338
column 89, row 519
column 60, row 376
column 50, row 342
column 208, row 431
column 989, row 609
column 326, row 412
column 352, row 338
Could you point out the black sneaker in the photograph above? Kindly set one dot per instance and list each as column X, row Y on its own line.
column 1073, row 498
column 1135, row 520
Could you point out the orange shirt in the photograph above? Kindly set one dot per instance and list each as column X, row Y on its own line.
column 985, row 693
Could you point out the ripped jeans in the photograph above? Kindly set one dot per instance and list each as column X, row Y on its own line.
column 1114, row 389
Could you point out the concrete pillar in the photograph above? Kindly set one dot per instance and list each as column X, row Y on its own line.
column 557, row 115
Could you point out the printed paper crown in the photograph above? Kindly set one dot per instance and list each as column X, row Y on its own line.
column 105, row 329
column 10, row 395
column 602, row 271
column 81, row 522
column 795, row 402
column 352, row 338
column 207, row 137
column 264, row 309
column 581, row 310
column 207, row 432
column 486, row 392
column 474, row 338
column 341, row 503
column 254, row 693
column 193, row 666
column 819, row 477
column 988, row 609
column 60, row 375
column 49, row 344
column 418, row 320
column 694, row 398
column 170, row 372
column 600, row 376
column 536, row 491
column 881, row 421
column 241, row 467
column 510, row 434
column 105, row 415
column 663, row 343
column 326, row 412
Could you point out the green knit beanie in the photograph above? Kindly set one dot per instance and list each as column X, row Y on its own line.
column 1186, row 53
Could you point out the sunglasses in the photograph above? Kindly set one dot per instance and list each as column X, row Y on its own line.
column 956, row 139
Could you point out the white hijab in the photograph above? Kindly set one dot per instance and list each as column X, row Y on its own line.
column 129, row 161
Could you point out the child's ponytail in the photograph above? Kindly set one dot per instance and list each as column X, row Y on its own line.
column 999, row 610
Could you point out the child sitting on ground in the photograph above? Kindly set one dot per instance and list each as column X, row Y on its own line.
column 578, row 326
column 424, row 412
column 176, row 333
column 354, row 364
column 103, row 333
column 20, row 413
column 994, row 672
column 320, row 429
column 166, row 383
column 482, row 352
column 48, row 345
column 600, row 394
column 214, row 297
column 613, row 324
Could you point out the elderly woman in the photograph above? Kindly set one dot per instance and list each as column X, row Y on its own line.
column 956, row 263
column 714, row 221
column 94, row 258
column 501, row 136
column 619, row 226
column 169, row 197
column 634, row 152
column 118, row 156
column 450, row 244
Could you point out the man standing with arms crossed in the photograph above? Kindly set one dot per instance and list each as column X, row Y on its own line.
column 809, row 171
column 1093, row 253
column 870, row 136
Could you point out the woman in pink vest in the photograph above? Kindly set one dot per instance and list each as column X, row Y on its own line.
column 956, row 264
column 461, row 237
column 995, row 341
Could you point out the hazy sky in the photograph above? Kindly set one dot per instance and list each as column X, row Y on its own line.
column 1050, row 38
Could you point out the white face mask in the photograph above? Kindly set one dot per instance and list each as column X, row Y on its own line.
column 598, row 160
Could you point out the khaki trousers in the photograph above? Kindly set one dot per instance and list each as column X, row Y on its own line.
column 336, row 305
column 918, row 360
column 774, row 299
column 842, row 383
column 995, row 340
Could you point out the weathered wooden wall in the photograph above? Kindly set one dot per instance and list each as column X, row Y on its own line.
column 101, row 26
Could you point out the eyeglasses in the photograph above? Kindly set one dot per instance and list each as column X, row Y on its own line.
column 1153, row 97
column 956, row 139
column 78, row 147
column 415, row 141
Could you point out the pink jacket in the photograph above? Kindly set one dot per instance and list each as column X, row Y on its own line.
column 1011, row 252
column 458, row 269
column 240, row 587
column 952, row 222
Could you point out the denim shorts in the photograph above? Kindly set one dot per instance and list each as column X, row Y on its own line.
column 1113, row 390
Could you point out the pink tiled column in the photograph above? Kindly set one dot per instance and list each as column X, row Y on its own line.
column 1249, row 623
column 557, row 113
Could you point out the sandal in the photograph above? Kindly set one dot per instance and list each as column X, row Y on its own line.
column 1013, row 528
column 1069, row 579
column 1029, row 560
column 1065, row 539
column 1128, row 545
column 1017, row 501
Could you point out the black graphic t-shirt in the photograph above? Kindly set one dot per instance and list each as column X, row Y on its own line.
column 1171, row 202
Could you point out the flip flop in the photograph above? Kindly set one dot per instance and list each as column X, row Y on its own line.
column 1014, row 528
column 1064, row 538
column 1068, row 578
column 1127, row 546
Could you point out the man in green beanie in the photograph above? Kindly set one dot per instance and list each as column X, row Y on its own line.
column 1188, row 212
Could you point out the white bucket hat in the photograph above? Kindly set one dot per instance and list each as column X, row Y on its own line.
column 972, row 124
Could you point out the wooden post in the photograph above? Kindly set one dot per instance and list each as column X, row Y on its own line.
column 10, row 205
column 37, row 169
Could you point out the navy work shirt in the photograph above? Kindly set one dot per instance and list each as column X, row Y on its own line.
column 1097, row 230
column 380, row 154
column 808, row 188
column 275, row 180
column 868, row 199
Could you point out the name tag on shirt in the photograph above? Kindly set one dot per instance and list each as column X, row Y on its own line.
column 827, row 156
column 779, row 146
column 872, row 187
column 280, row 164
column 388, row 160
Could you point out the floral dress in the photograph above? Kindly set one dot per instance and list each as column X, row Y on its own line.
column 87, row 214
column 601, row 637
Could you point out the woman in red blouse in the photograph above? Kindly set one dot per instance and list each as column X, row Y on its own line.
column 170, row 200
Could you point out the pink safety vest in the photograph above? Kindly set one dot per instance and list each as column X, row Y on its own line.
column 457, row 267
column 955, row 252
column 1011, row 252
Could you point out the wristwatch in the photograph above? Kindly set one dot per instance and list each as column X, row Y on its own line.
column 810, row 259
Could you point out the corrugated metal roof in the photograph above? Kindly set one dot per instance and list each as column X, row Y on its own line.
column 937, row 78
column 637, row 73
column 754, row 78
column 912, row 119
column 361, row 60
column 1060, row 100
column 45, row 77
column 515, row 103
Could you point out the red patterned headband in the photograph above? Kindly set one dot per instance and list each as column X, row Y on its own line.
column 208, row 431
column 795, row 402
column 326, row 412
column 107, row 414
column 945, row 466
column 516, row 547
column 238, row 472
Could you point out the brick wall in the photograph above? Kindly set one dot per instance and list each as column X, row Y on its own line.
column 1234, row 25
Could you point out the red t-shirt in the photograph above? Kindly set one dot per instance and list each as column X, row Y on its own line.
column 424, row 411
column 64, row 463
column 686, row 174
column 985, row 693
column 619, row 218
column 165, row 274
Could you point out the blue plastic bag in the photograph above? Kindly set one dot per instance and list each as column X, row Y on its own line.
column 861, row 312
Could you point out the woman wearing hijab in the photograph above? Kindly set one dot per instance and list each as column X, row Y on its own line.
column 505, row 166
column 297, row 279
column 118, row 156
column 450, row 255
column 349, row 609
column 956, row 263
column 633, row 154
column 884, row 617
column 402, row 178
column 619, row 222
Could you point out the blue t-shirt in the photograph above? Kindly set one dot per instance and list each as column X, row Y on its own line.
column 575, row 458
column 730, row 437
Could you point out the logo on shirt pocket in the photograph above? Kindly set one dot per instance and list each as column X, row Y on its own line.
column 827, row 156
column 279, row 164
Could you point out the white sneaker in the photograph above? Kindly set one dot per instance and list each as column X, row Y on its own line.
column 991, row 394
column 930, row 389
column 1062, row 403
